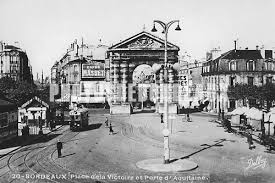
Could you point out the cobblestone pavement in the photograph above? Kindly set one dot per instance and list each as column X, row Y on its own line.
column 223, row 156
column 93, row 155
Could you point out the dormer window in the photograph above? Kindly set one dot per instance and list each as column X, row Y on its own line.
column 250, row 65
column 232, row 65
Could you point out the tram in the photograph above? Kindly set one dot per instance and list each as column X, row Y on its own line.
column 59, row 116
column 79, row 119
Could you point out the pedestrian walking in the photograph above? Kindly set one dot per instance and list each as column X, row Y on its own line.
column 249, row 139
column 106, row 122
column 59, row 146
column 111, row 131
column 161, row 118
column 227, row 125
column 51, row 125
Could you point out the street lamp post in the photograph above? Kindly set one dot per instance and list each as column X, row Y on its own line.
column 263, row 138
column 166, row 27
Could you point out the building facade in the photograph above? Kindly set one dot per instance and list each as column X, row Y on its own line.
column 124, row 74
column 8, row 120
column 32, row 111
column 253, row 67
column 14, row 63
column 190, row 84
column 79, row 76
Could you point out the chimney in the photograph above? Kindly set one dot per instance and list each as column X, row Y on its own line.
column 16, row 44
column 257, row 47
column 208, row 56
column 235, row 45
column 246, row 48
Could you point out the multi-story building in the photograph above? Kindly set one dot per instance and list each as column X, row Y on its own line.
column 79, row 76
column 190, row 87
column 14, row 63
column 253, row 67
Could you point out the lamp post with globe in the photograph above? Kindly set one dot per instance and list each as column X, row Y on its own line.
column 166, row 27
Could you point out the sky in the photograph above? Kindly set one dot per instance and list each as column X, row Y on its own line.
column 46, row 28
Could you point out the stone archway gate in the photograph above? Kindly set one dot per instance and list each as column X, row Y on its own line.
column 125, row 56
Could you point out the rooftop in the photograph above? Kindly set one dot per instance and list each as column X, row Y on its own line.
column 11, row 47
column 243, row 54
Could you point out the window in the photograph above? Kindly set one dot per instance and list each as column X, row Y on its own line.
column 269, row 79
column 75, row 68
column 232, row 65
column 216, row 84
column 269, row 65
column 232, row 80
column 82, row 87
column 250, row 65
column 205, row 85
column 232, row 103
column 250, row 80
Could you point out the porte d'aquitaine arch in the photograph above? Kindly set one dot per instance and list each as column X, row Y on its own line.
column 131, row 84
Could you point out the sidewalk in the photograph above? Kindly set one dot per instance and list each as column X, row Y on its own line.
column 202, row 130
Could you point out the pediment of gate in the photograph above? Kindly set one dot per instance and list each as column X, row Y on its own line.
column 143, row 40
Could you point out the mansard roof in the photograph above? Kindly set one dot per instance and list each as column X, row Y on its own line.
column 11, row 47
column 242, row 54
column 143, row 40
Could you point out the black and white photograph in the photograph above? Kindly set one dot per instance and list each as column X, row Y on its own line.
column 137, row 91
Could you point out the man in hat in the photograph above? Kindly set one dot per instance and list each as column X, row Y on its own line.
column 111, row 131
column 59, row 146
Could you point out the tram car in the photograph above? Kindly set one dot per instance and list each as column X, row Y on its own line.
column 59, row 116
column 79, row 119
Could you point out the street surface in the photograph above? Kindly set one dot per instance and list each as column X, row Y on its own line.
column 93, row 155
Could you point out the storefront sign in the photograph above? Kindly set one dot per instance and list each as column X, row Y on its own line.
column 93, row 70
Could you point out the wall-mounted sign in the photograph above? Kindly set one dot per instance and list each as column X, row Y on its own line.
column 93, row 70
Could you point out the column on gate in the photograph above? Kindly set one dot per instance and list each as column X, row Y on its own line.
column 161, row 91
column 115, row 83
column 130, row 79
column 170, row 84
column 156, row 91
column 124, row 76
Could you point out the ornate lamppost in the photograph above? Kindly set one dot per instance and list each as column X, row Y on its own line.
column 166, row 27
